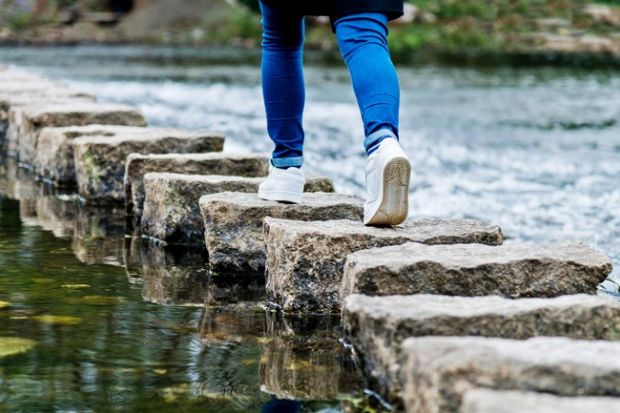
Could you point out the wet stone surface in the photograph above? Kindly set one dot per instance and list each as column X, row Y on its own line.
column 437, row 371
column 234, row 224
column 493, row 401
column 305, row 260
column 223, row 164
column 511, row 270
column 172, row 212
column 100, row 162
column 378, row 325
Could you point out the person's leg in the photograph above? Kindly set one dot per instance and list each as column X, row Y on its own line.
column 362, row 39
column 283, row 84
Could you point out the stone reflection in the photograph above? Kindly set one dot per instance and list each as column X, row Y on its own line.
column 173, row 276
column 303, row 359
column 240, row 323
column 57, row 214
column 17, row 183
column 99, row 235
column 132, row 257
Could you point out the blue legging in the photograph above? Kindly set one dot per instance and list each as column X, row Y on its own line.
column 362, row 39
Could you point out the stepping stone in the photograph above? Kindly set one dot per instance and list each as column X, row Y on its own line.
column 223, row 164
column 12, row 115
column 377, row 325
column 437, row 371
column 100, row 161
column 54, row 158
column 305, row 260
column 497, row 401
column 32, row 118
column 172, row 212
column 234, row 224
column 512, row 270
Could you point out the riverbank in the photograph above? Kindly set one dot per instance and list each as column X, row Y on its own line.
column 472, row 32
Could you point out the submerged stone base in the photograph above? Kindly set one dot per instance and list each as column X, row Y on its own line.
column 437, row 371
column 496, row 401
column 223, row 164
column 100, row 162
column 378, row 325
column 171, row 209
column 512, row 270
column 305, row 260
column 234, row 222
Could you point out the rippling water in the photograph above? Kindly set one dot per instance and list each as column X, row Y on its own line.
column 534, row 150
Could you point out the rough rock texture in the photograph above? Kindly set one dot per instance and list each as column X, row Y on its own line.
column 437, row 371
column 233, row 224
column 377, row 325
column 79, row 113
column 100, row 162
column 54, row 159
column 172, row 212
column 512, row 270
column 496, row 401
column 305, row 260
column 138, row 165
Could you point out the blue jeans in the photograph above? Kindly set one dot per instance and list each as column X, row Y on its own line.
column 362, row 39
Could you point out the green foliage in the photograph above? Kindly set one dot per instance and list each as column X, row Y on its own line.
column 19, row 21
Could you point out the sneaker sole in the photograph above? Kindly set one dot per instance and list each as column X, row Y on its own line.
column 394, row 206
column 281, row 196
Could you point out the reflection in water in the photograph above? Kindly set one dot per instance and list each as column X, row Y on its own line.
column 96, row 339
column 302, row 359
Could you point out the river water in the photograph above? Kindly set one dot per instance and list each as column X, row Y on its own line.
column 536, row 151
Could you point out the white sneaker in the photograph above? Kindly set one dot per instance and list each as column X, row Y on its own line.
column 388, row 172
column 283, row 185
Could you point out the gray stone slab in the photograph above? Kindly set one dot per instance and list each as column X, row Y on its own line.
column 496, row 401
column 18, row 130
column 54, row 158
column 32, row 118
column 172, row 212
column 233, row 224
column 437, row 371
column 224, row 164
column 100, row 161
column 377, row 325
column 511, row 270
column 305, row 260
